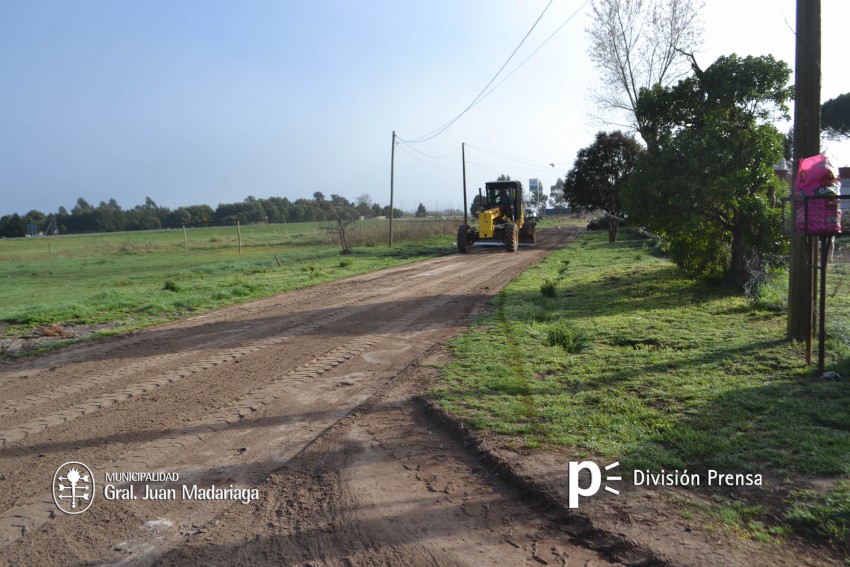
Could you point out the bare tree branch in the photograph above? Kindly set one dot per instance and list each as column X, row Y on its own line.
column 637, row 44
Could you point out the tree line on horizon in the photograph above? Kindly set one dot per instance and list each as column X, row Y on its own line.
column 109, row 216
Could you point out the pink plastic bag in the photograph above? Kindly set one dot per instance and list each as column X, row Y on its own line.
column 817, row 176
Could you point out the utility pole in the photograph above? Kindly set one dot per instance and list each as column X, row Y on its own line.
column 392, row 178
column 463, row 158
column 807, row 77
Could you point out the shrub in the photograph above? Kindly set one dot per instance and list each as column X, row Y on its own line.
column 569, row 338
column 548, row 289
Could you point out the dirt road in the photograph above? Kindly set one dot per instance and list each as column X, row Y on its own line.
column 299, row 405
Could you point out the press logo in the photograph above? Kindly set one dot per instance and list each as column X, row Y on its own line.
column 574, row 490
column 73, row 487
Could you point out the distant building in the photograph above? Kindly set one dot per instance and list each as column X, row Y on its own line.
column 844, row 174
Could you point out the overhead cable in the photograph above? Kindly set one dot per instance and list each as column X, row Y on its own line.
column 535, row 164
column 448, row 155
column 573, row 15
column 406, row 149
column 484, row 165
column 477, row 99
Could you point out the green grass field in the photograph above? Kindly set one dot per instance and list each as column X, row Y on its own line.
column 607, row 351
column 140, row 278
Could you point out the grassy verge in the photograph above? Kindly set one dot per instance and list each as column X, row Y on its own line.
column 606, row 350
column 140, row 278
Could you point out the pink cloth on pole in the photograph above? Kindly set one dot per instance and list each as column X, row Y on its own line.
column 817, row 176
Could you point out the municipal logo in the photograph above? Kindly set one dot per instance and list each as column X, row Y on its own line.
column 73, row 487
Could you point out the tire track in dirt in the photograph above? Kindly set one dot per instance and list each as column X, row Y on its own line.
column 172, row 335
column 384, row 488
column 294, row 327
column 29, row 516
column 297, row 384
column 24, row 518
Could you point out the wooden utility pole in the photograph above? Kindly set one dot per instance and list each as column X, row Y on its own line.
column 807, row 77
column 392, row 177
column 463, row 158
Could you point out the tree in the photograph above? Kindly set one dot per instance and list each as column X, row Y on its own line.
column 835, row 117
column 420, row 211
column 638, row 44
column 82, row 206
column 788, row 146
column 108, row 217
column 476, row 207
column 343, row 215
column 37, row 218
column 536, row 197
column 364, row 205
column 599, row 173
column 397, row 213
column 703, row 186
column 12, row 226
column 557, row 199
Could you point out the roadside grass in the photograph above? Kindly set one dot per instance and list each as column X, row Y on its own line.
column 137, row 279
column 625, row 359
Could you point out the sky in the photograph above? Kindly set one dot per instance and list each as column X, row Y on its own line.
column 208, row 102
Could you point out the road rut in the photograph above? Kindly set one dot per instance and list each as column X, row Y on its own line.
column 305, row 397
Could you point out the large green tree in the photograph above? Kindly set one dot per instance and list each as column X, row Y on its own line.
column 835, row 117
column 704, row 186
column 599, row 174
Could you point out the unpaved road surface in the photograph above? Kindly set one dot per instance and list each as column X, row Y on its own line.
column 306, row 398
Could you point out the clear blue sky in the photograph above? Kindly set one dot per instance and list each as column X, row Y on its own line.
column 204, row 102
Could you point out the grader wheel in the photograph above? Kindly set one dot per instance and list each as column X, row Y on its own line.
column 511, row 237
column 463, row 243
column 528, row 234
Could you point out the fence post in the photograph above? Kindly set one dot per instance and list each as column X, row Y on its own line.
column 239, row 237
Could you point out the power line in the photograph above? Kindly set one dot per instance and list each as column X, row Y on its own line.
column 405, row 149
column 527, row 164
column 477, row 99
column 485, row 165
column 448, row 155
column 535, row 164
column 573, row 15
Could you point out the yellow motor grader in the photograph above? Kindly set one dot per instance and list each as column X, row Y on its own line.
column 501, row 218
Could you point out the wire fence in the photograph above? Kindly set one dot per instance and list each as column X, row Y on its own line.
column 838, row 288
column 835, row 249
